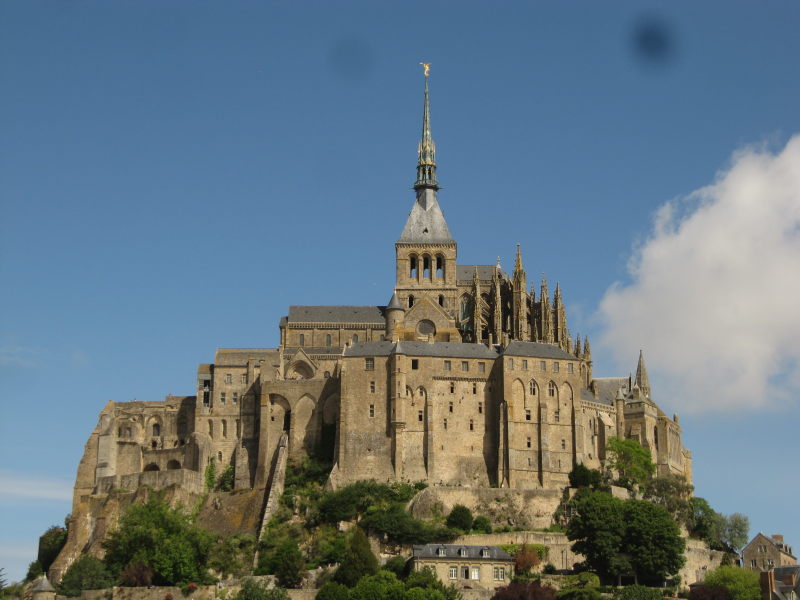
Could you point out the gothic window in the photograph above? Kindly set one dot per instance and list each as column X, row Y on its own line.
column 355, row 337
column 441, row 300
column 532, row 387
column 412, row 267
column 328, row 340
column 426, row 267
column 527, row 414
column 302, row 339
column 426, row 328
column 551, row 389
column 229, row 377
column 440, row 266
column 410, row 301
column 156, row 430
column 466, row 308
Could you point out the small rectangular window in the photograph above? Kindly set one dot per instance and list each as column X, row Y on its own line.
column 452, row 388
column 448, row 365
column 471, row 425
column 474, row 388
column 369, row 364
column 556, row 367
column 371, row 387
column 543, row 365
column 222, row 398
column 415, row 363
column 450, row 407
column 228, row 378
column 557, row 416
column 453, row 572
column 419, row 415
column 235, row 398
column 530, row 462
column 302, row 340
column 464, row 366
column 480, row 408
column 570, row 368
column 499, row 573
column 481, row 367
column 244, row 378
column 529, row 442
column 371, row 410
column 528, row 414
column 510, row 364
column 524, row 365
column 476, row 573
column 563, row 444
column 445, row 423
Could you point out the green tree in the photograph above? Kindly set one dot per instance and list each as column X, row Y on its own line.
column 631, row 461
column 86, row 573
column 161, row 538
column 705, row 522
column 333, row 591
column 258, row 590
column 709, row 592
column 652, row 541
column 2, row 581
column 232, row 555
column 34, row 570
column 381, row 586
column 579, row 594
column 397, row 565
column 426, row 579
column 674, row 493
column 460, row 518
column 358, row 560
column 742, row 584
column 735, row 530
column 50, row 544
column 287, row 564
column 210, row 474
column 583, row 476
column 597, row 529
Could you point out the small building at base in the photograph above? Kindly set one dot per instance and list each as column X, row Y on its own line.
column 469, row 567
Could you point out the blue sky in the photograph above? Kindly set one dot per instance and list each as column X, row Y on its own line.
column 174, row 174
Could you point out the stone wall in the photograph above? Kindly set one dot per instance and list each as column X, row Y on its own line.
column 699, row 561
column 203, row 592
column 526, row 509
column 191, row 481
column 559, row 548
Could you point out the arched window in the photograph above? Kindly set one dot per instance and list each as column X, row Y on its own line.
column 551, row 389
column 328, row 340
column 302, row 339
column 441, row 300
column 355, row 337
column 532, row 387
column 426, row 267
column 410, row 301
column 440, row 266
column 156, row 430
column 173, row 465
column 412, row 266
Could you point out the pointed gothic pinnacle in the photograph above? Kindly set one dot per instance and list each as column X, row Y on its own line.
column 587, row 351
column 426, row 162
column 578, row 346
column 642, row 380
column 518, row 261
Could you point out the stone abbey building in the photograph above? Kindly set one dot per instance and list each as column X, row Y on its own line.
column 467, row 377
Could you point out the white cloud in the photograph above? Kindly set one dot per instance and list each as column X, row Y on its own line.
column 13, row 486
column 14, row 355
column 714, row 297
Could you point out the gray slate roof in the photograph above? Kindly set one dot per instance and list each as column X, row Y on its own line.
column 426, row 221
column 607, row 388
column 336, row 314
column 43, row 585
column 438, row 349
column 485, row 272
column 537, row 350
column 451, row 551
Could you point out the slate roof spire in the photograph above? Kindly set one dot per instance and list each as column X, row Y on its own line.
column 426, row 222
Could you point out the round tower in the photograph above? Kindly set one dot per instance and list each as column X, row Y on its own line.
column 395, row 313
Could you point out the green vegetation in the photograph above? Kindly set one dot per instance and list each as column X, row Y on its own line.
column 741, row 584
column 632, row 462
column 460, row 518
column 232, row 555
column 358, row 562
column 50, row 544
column 581, row 476
column 353, row 500
column 256, row 590
column 481, row 525
column 158, row 543
column 211, row 474
column 287, row 564
column 709, row 592
column 621, row 537
column 674, row 493
column 86, row 573
column 34, row 570
column 226, row 479
column 638, row 592
column 419, row 585
column 727, row 533
column 585, row 593
column 518, row 590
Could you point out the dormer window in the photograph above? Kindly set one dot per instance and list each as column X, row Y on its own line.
column 440, row 551
column 484, row 553
column 462, row 551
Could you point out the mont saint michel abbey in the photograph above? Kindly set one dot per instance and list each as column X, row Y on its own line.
column 466, row 377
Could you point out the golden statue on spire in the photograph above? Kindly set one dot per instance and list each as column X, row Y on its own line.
column 427, row 67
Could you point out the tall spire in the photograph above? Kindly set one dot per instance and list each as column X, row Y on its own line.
column 642, row 380
column 426, row 163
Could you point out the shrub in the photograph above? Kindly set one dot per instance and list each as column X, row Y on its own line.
column 582, row 476
column 525, row 559
column 226, row 479
column 402, row 528
column 579, row 593
column 86, row 573
column 50, row 544
column 460, row 518
column 137, row 575
column 426, row 581
column 637, row 592
column 549, row 569
column 742, row 584
column 482, row 525
column 287, row 564
column 328, row 548
column 211, row 474
column 709, row 592
column 258, row 590
column 397, row 565
column 525, row 591
column 34, row 570
column 383, row 585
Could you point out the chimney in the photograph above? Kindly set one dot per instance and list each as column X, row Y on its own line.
column 777, row 538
